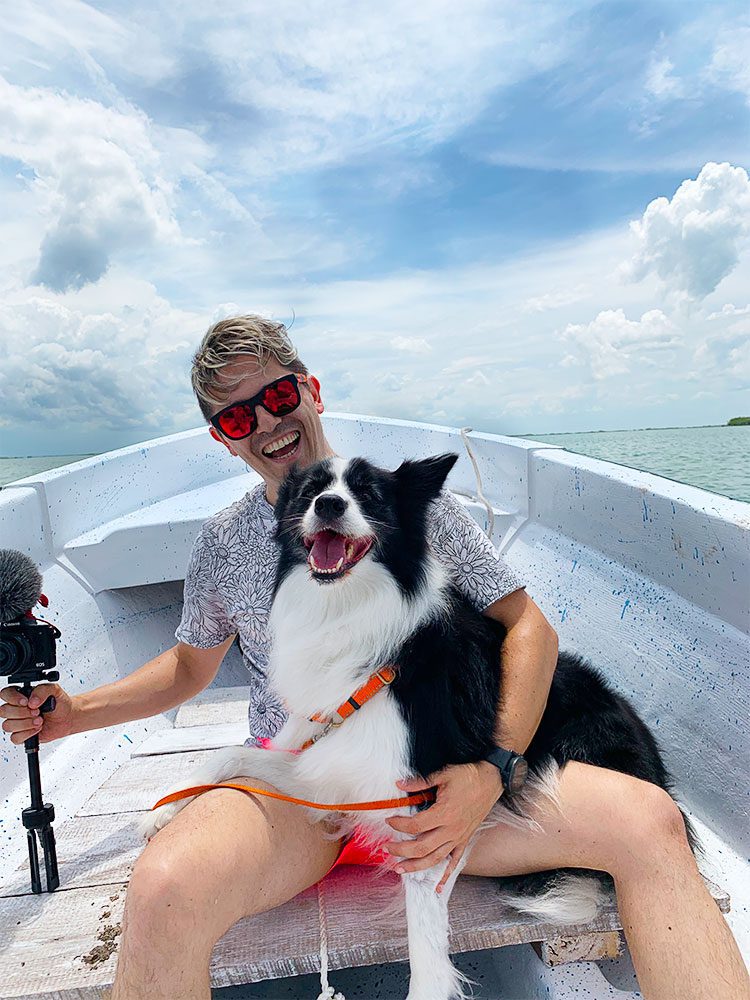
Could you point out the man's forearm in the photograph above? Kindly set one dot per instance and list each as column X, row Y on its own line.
column 157, row 686
column 529, row 660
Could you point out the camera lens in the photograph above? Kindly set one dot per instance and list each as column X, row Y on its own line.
column 15, row 653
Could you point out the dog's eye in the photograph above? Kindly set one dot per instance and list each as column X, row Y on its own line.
column 367, row 491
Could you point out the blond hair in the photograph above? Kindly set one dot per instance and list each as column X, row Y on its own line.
column 233, row 338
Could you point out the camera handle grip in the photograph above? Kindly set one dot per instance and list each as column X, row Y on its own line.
column 48, row 705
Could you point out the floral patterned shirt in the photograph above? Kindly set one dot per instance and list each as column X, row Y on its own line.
column 232, row 568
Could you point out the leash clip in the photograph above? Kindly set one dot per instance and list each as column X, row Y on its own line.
column 324, row 731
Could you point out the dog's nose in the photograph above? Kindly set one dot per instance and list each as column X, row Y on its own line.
column 330, row 505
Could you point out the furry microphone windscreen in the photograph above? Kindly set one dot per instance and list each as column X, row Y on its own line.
column 20, row 584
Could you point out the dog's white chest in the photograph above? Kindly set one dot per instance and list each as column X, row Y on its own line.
column 361, row 759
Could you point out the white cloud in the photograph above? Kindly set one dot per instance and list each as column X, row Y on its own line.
column 611, row 343
column 97, row 180
column 330, row 83
column 693, row 241
column 729, row 309
column 659, row 81
column 553, row 300
column 411, row 345
column 730, row 65
column 97, row 370
column 723, row 355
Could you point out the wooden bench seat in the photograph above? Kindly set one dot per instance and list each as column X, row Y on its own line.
column 64, row 944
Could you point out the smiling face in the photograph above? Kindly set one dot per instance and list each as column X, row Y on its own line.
column 278, row 442
column 338, row 515
column 327, row 514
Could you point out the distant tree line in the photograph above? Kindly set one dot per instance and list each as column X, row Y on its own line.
column 738, row 421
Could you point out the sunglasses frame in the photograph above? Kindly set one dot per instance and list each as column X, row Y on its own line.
column 257, row 400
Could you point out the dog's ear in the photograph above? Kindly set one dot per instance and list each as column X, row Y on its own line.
column 421, row 481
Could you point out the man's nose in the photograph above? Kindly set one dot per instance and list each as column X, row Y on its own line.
column 267, row 422
column 330, row 505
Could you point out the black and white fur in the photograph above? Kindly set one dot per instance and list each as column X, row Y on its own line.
column 396, row 604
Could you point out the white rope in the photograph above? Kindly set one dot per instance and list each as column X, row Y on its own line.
column 326, row 991
column 490, row 512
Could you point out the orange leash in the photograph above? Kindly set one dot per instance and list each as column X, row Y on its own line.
column 377, row 681
column 416, row 799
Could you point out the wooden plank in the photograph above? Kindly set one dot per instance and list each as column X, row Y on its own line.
column 213, row 707
column 720, row 896
column 231, row 734
column 60, row 941
column 88, row 993
column 77, row 930
column 591, row 947
column 91, row 850
column 140, row 782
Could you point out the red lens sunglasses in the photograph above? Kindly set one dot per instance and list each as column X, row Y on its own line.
column 280, row 397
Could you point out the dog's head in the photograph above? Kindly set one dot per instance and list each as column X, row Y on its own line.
column 338, row 514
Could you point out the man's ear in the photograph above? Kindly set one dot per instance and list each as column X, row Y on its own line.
column 315, row 390
column 422, row 480
column 217, row 437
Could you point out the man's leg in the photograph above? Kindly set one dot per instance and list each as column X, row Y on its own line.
column 680, row 943
column 226, row 855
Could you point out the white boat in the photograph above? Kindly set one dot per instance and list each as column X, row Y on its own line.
column 647, row 577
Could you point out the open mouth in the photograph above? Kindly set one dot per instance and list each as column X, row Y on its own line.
column 283, row 447
column 332, row 555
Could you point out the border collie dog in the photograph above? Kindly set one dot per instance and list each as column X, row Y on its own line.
column 357, row 588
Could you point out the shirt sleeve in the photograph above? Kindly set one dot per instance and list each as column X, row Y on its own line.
column 468, row 554
column 205, row 622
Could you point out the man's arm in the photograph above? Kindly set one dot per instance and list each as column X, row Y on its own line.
column 170, row 679
column 529, row 661
column 467, row 792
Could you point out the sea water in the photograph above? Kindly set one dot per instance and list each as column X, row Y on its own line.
column 714, row 458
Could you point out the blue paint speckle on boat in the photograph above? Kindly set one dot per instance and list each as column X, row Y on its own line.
column 625, row 606
column 127, row 737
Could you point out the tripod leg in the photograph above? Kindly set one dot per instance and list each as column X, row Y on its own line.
column 36, row 882
column 50, row 858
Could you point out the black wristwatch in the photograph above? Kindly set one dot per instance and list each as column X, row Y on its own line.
column 512, row 766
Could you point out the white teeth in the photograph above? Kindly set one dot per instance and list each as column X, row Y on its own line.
column 281, row 443
column 334, row 569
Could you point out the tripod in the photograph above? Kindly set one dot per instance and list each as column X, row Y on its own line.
column 39, row 816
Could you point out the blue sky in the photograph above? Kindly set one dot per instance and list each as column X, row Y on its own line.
column 527, row 218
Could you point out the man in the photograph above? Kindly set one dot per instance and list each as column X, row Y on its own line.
column 227, row 855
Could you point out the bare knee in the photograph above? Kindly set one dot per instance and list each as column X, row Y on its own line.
column 164, row 901
column 650, row 829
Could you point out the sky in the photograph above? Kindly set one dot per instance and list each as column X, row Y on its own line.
column 525, row 218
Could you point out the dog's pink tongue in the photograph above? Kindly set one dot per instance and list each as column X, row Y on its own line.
column 327, row 549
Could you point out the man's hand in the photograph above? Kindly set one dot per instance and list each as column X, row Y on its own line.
column 23, row 719
column 465, row 795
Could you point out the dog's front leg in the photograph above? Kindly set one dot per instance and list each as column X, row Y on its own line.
column 433, row 975
column 223, row 765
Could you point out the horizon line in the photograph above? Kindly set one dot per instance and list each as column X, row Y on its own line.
column 599, row 430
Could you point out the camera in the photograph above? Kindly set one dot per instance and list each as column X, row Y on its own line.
column 27, row 656
column 27, row 650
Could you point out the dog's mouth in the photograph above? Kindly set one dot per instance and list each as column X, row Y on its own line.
column 331, row 555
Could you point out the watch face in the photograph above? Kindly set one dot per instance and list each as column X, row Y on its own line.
column 519, row 770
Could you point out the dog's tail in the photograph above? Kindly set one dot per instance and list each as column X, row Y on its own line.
column 565, row 896
column 568, row 895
